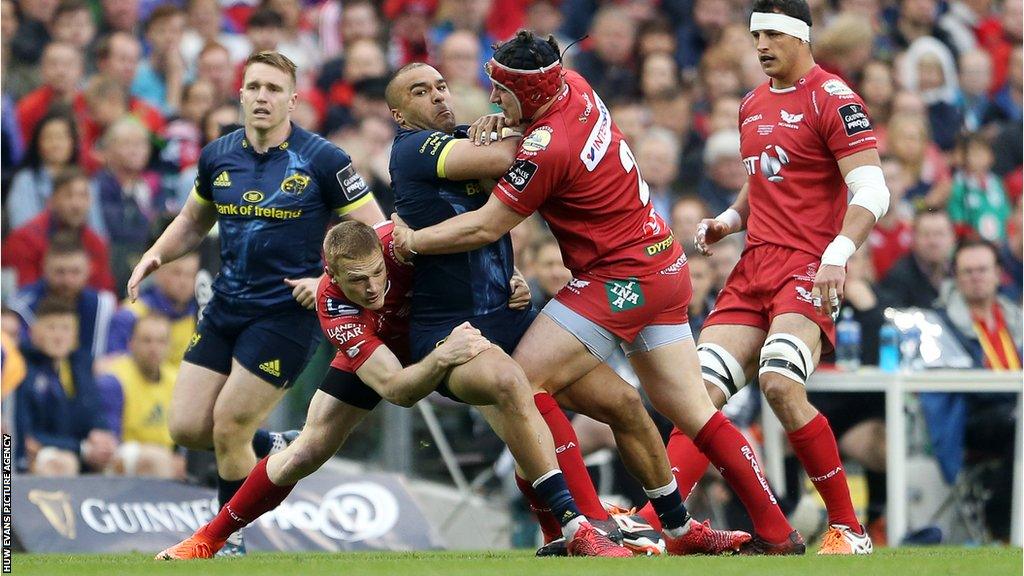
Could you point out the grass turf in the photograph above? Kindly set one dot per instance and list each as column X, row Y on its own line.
column 886, row 562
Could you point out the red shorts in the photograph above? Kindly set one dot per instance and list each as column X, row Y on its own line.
column 770, row 280
column 625, row 306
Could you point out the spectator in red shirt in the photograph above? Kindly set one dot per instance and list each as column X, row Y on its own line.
column 67, row 213
column 61, row 71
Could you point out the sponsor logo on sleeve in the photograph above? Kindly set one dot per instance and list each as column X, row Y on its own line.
column 537, row 140
column 342, row 333
column 855, row 120
column 351, row 182
column 335, row 307
column 836, row 87
column 520, row 174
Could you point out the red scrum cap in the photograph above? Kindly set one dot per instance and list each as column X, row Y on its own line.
column 529, row 68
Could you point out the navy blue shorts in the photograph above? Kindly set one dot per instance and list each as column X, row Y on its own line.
column 348, row 388
column 504, row 328
column 274, row 345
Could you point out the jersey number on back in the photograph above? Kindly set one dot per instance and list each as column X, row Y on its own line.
column 628, row 163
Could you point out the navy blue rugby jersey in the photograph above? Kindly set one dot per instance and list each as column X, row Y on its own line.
column 273, row 209
column 447, row 287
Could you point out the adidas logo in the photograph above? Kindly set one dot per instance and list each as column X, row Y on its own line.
column 273, row 367
column 222, row 180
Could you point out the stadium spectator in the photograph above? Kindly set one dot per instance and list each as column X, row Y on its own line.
column 723, row 115
column 687, row 212
column 170, row 296
column 135, row 396
column 916, row 19
column 410, row 26
column 633, row 118
column 33, row 32
column 65, row 277
column 61, row 71
column 53, row 148
column 658, row 75
column 608, row 64
column 467, row 16
column 917, row 278
column 183, row 139
column 877, row 90
column 119, row 16
column 845, row 46
column 59, row 426
column 127, row 195
column 1007, row 100
column 723, row 173
column 265, row 30
column 703, row 298
column 723, row 260
column 928, row 69
column 548, row 272
column 721, row 75
column 657, row 154
column 696, row 35
column 965, row 21
column 297, row 41
column 25, row 248
column 675, row 112
column 908, row 142
column 205, row 28
column 458, row 62
column 161, row 76
column 975, row 85
column 99, row 106
column 978, row 205
column 73, row 24
column 1010, row 255
column 213, row 64
column 982, row 425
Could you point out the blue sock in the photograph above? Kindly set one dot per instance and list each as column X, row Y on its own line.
column 553, row 490
column 262, row 442
column 668, row 505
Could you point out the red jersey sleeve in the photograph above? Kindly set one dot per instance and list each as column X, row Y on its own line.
column 844, row 121
column 351, row 330
column 537, row 171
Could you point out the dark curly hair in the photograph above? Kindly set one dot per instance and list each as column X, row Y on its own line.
column 525, row 51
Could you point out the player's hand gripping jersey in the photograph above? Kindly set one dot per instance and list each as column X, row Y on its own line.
column 790, row 141
column 575, row 169
column 273, row 208
column 356, row 332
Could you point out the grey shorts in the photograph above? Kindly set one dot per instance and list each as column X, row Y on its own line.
column 601, row 342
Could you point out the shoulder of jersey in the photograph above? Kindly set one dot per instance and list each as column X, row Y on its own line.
column 226, row 142
column 833, row 85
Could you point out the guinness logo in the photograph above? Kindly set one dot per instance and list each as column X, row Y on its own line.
column 56, row 508
column 253, row 196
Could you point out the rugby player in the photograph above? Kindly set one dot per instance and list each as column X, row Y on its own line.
column 363, row 306
column 630, row 284
column 272, row 188
column 807, row 142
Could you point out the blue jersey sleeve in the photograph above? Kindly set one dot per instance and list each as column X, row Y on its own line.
column 202, row 188
column 423, row 154
column 342, row 187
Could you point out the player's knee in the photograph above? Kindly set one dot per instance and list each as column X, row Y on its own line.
column 780, row 391
column 231, row 429
column 723, row 375
column 510, row 387
column 303, row 459
column 191, row 434
column 786, row 363
column 622, row 409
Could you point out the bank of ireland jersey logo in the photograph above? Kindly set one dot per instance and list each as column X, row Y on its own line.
column 624, row 294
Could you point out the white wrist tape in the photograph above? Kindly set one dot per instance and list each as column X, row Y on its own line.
column 732, row 219
column 867, row 183
column 838, row 251
column 780, row 23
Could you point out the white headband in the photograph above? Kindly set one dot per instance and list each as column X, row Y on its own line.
column 780, row 23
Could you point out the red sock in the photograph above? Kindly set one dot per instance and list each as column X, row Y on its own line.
column 548, row 523
column 815, row 446
column 257, row 496
column 688, row 466
column 570, row 460
column 734, row 458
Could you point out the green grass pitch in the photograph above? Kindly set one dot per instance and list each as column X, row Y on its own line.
column 885, row 562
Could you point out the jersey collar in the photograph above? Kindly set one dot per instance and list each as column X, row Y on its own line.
column 292, row 132
column 561, row 101
column 799, row 83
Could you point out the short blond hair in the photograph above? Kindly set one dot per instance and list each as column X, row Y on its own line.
column 274, row 59
column 349, row 240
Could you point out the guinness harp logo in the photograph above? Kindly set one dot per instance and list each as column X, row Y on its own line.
column 56, row 508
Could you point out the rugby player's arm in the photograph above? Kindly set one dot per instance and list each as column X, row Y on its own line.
column 467, row 231
column 859, row 221
column 383, row 372
column 368, row 213
column 461, row 160
column 186, row 231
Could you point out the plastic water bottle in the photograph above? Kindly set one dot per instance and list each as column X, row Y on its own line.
column 848, row 341
column 889, row 348
column 910, row 349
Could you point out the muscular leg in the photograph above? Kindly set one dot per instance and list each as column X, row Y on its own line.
column 329, row 421
column 671, row 378
column 809, row 432
column 245, row 401
column 190, row 418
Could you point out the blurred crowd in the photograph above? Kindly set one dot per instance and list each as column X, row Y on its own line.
column 107, row 103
